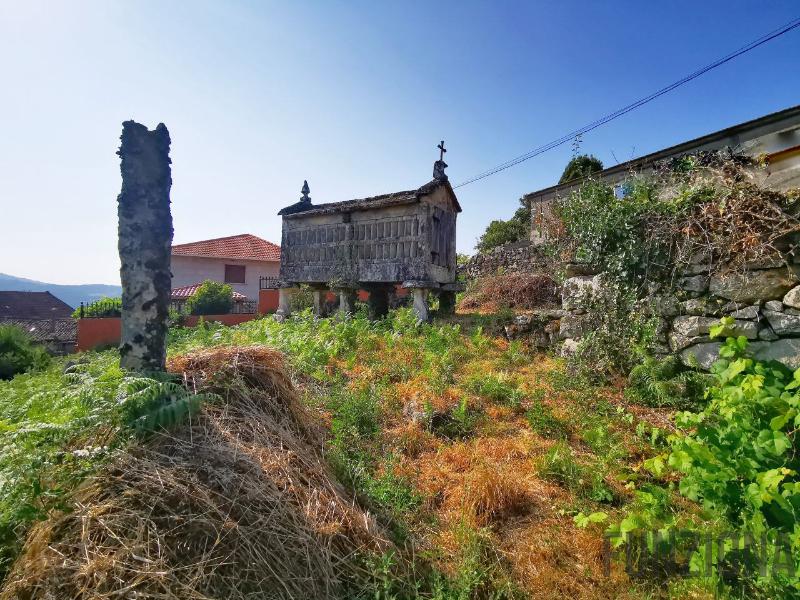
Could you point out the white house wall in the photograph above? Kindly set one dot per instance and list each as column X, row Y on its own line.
column 188, row 270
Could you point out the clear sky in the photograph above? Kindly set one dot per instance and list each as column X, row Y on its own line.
column 353, row 96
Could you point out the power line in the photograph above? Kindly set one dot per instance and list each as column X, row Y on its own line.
column 641, row 102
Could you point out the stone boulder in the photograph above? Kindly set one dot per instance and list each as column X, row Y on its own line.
column 689, row 330
column 792, row 297
column 786, row 351
column 749, row 287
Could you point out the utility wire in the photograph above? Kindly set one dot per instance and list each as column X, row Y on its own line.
column 641, row 102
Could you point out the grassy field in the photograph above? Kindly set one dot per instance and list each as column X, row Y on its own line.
column 495, row 470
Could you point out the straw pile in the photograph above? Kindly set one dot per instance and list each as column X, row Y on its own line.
column 521, row 291
column 237, row 503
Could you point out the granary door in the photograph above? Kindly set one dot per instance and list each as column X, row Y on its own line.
column 443, row 237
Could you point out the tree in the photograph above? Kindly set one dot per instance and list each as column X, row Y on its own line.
column 211, row 298
column 499, row 232
column 580, row 167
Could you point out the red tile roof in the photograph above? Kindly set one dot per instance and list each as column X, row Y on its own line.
column 244, row 246
column 187, row 291
column 33, row 305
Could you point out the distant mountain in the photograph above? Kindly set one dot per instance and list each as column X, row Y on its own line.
column 71, row 294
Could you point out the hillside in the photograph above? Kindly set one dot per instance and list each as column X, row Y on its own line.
column 71, row 294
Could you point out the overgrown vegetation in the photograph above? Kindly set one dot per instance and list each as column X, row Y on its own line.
column 211, row 298
column 18, row 353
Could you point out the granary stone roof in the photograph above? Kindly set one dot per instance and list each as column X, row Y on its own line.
column 33, row 305
column 305, row 208
column 244, row 246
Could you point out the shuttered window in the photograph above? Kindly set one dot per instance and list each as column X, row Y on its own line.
column 234, row 274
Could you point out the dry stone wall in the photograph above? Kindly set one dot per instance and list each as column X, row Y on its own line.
column 519, row 257
column 763, row 302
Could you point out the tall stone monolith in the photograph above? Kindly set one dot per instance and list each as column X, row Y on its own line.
column 145, row 243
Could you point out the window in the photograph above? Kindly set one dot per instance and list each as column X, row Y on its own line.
column 622, row 190
column 234, row 273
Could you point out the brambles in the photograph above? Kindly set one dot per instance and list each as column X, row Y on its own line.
column 511, row 290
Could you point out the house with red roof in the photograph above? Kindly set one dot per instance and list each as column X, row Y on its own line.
column 238, row 260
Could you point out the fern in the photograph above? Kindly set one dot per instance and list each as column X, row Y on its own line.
column 665, row 383
column 151, row 403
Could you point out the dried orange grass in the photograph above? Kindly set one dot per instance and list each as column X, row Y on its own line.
column 239, row 503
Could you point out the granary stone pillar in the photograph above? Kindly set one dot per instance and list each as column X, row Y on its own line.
column 347, row 300
column 319, row 301
column 421, row 303
column 284, row 303
column 145, row 245
column 378, row 302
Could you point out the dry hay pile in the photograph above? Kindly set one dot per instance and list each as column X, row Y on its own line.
column 521, row 291
column 237, row 503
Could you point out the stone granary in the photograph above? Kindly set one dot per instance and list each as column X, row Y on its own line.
column 404, row 238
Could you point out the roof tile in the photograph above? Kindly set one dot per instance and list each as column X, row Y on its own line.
column 244, row 247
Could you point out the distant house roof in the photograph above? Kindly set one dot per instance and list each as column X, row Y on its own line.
column 393, row 199
column 187, row 291
column 33, row 305
column 243, row 247
column 46, row 330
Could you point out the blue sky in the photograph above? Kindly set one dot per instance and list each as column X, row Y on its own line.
column 353, row 96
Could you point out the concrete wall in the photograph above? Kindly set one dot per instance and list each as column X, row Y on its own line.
column 188, row 270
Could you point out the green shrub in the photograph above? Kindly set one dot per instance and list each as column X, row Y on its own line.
column 105, row 307
column 18, row 353
column 620, row 337
column 211, row 298
column 739, row 458
column 497, row 388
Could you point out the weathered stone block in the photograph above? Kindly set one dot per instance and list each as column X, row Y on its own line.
column 781, row 323
column 786, row 351
column 741, row 312
column 695, row 283
column 573, row 326
column 775, row 305
column 749, row 287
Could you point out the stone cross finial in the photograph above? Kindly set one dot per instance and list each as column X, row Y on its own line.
column 305, row 191
column 439, row 166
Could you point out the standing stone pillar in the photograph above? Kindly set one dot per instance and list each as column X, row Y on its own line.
column 284, row 303
column 421, row 303
column 145, row 245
